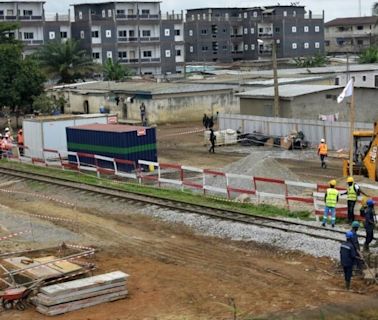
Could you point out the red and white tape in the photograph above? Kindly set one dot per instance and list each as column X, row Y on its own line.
column 180, row 133
column 12, row 235
column 75, row 246
column 50, row 218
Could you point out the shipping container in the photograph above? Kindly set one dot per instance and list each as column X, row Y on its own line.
column 50, row 132
column 114, row 141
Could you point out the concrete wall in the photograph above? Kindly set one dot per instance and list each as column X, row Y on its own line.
column 310, row 106
column 159, row 110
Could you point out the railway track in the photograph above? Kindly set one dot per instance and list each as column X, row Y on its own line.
column 225, row 214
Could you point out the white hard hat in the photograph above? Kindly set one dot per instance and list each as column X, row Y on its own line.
column 322, row 140
column 6, row 129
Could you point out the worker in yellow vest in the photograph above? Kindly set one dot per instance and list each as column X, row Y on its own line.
column 353, row 191
column 331, row 198
column 323, row 153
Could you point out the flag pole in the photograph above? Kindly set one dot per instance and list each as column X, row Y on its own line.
column 351, row 137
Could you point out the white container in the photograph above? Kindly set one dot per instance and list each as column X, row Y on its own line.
column 50, row 132
column 218, row 134
column 230, row 137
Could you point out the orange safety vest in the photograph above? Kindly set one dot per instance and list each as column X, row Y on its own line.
column 323, row 149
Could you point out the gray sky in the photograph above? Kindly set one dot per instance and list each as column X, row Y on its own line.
column 333, row 8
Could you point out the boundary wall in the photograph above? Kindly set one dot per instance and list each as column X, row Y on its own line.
column 292, row 194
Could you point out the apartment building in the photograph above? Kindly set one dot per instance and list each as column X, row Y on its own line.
column 231, row 34
column 134, row 33
column 30, row 17
column 351, row 35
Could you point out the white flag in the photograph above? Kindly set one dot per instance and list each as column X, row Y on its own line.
column 347, row 92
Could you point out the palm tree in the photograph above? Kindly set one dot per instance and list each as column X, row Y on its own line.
column 114, row 71
column 65, row 60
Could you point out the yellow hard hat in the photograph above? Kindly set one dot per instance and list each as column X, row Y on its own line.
column 350, row 179
column 332, row 183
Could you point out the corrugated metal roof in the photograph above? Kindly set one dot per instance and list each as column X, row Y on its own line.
column 149, row 88
column 287, row 91
column 109, row 127
column 351, row 21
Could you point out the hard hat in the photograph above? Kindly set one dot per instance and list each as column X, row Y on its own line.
column 1, row 135
column 6, row 129
column 322, row 140
column 349, row 234
column 332, row 183
column 350, row 179
column 355, row 224
column 20, row 131
column 370, row 203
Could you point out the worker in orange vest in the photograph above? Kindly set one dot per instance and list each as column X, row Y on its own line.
column 323, row 152
column 20, row 142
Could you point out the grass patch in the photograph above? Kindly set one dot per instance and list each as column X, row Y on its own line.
column 163, row 193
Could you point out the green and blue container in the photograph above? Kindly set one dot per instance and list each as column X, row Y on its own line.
column 113, row 141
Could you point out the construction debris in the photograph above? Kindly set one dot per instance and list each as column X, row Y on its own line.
column 78, row 294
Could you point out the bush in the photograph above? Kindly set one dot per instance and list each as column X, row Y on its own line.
column 370, row 55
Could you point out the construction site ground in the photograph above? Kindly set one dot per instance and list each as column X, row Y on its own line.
column 176, row 273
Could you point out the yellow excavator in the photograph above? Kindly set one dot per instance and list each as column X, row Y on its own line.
column 365, row 154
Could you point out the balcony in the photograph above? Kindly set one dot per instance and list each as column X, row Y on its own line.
column 30, row 18
column 133, row 39
column 149, row 39
column 142, row 39
column 32, row 42
column 138, row 17
column 143, row 60
column 236, row 35
column 265, row 35
column 126, row 17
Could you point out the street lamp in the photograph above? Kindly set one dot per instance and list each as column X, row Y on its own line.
column 276, row 109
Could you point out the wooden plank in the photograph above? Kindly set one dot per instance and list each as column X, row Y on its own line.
column 81, row 284
column 93, row 292
column 81, row 304
column 62, row 266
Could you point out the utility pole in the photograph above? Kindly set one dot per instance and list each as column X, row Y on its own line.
column 351, row 139
column 275, row 79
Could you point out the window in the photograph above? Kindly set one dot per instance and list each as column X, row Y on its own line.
column 306, row 46
column 1, row 12
column 317, row 29
column 130, row 12
column 363, row 78
column 109, row 54
column 337, row 82
column 360, row 42
column 252, row 30
column 255, row 14
column 145, row 11
column 203, row 31
column 360, row 27
column 245, row 15
column 122, row 54
column 305, row 28
column 119, row 12
column 63, row 35
column 122, row 33
column 96, row 55
column 51, row 35
column 285, row 13
column 167, row 32
column 294, row 13
column 252, row 47
column 108, row 33
column 93, row 12
column 131, row 33
column 191, row 49
column 245, row 30
column 109, row 15
column 178, row 53
column 80, row 15
column 224, row 47
column 28, row 35
column 246, row 47
column 294, row 45
column 28, row 12
column 147, row 54
column 327, row 43
column 294, row 29
column 192, row 16
column 167, row 53
column 226, row 15
column 9, row 12
column 277, row 29
column 190, row 33
column 95, row 34
column 177, row 32
column 204, row 16
column 205, row 48
column 317, row 45
column 82, row 34
column 146, row 33
column 103, row 13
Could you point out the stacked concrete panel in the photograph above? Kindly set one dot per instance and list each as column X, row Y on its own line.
column 83, row 293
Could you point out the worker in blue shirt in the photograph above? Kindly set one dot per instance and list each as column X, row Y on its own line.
column 370, row 221
column 348, row 256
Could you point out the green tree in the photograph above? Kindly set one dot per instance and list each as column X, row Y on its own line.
column 369, row 55
column 319, row 60
column 44, row 104
column 20, row 78
column 65, row 60
column 114, row 71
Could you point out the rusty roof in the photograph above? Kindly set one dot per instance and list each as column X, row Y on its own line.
column 351, row 21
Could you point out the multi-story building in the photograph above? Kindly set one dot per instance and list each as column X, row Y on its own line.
column 350, row 35
column 134, row 33
column 231, row 34
column 30, row 17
